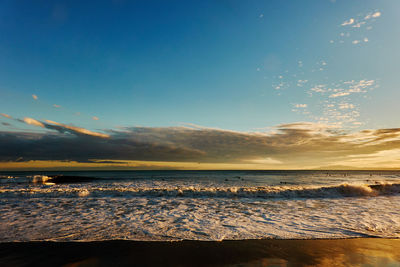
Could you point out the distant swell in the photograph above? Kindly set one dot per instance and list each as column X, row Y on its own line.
column 286, row 192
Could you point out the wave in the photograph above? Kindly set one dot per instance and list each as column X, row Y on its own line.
column 47, row 179
column 59, row 179
column 266, row 192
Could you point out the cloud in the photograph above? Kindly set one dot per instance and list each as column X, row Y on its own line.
column 297, row 145
column 360, row 86
column 348, row 22
column 56, row 106
column 320, row 88
column 346, row 106
column 339, row 94
column 357, row 24
column 384, row 158
column 311, row 127
column 35, row 97
column 300, row 83
column 5, row 115
column 338, row 101
column 87, row 148
column 77, row 130
column 59, row 127
column 266, row 161
column 34, row 122
column 376, row 14
column 325, row 108
column 95, row 118
column 300, row 105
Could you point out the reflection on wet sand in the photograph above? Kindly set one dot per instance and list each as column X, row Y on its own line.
column 338, row 252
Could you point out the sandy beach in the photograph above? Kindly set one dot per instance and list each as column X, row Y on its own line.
column 333, row 252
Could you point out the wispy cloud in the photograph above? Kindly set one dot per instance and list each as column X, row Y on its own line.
column 359, row 24
column 339, row 94
column 361, row 20
column 300, row 105
column 354, row 27
column 346, row 106
column 300, row 83
column 338, row 101
column 376, row 14
column 332, row 102
column 319, row 88
column 59, row 127
column 34, row 122
column 35, row 97
column 95, row 118
column 348, row 22
column 5, row 115
column 75, row 129
column 311, row 127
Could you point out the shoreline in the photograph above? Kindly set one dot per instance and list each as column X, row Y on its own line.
column 262, row 252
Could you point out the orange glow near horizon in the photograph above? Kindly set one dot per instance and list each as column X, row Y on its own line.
column 159, row 165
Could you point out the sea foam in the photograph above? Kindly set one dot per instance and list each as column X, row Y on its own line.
column 266, row 192
column 198, row 206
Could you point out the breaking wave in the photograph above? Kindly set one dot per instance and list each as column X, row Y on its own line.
column 266, row 192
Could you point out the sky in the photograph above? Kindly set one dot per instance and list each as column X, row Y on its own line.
column 120, row 84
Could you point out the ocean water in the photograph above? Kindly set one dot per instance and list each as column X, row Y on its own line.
column 198, row 205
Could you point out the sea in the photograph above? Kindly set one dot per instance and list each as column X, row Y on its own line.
column 198, row 205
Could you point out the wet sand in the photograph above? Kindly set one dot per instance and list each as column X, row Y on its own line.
column 336, row 252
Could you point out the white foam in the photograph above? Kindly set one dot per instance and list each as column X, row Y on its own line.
column 142, row 218
column 168, row 190
column 40, row 178
column 199, row 209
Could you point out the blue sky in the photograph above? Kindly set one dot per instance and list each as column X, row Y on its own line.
column 246, row 66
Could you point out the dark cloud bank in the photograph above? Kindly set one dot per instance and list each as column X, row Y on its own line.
column 291, row 144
